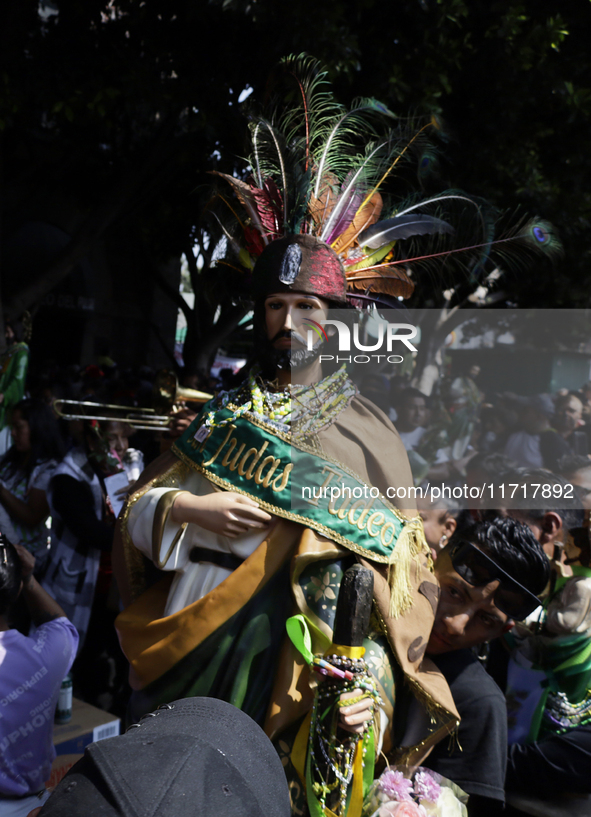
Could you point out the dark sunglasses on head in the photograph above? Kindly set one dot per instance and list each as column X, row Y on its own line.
column 478, row 569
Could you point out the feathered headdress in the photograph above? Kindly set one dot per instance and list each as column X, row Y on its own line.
column 320, row 170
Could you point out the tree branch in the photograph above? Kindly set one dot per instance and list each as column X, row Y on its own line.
column 172, row 293
column 222, row 328
column 192, row 264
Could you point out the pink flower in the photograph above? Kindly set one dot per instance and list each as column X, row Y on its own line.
column 406, row 809
column 426, row 787
column 395, row 785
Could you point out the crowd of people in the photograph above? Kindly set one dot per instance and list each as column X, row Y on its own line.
column 57, row 509
column 480, row 454
column 465, row 433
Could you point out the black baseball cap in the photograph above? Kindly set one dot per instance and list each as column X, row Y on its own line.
column 196, row 756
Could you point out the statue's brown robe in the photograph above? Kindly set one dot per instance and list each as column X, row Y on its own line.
column 363, row 439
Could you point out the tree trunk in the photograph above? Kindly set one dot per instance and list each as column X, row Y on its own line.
column 200, row 349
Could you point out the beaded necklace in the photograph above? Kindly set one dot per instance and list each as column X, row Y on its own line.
column 316, row 407
column 560, row 714
column 303, row 410
column 330, row 752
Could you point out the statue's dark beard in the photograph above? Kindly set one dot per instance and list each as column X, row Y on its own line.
column 296, row 358
column 271, row 359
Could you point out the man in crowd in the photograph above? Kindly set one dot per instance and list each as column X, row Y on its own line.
column 413, row 415
column 554, row 760
column 549, row 691
column 544, row 502
column 576, row 471
column 548, row 519
column 440, row 520
column 568, row 422
column 536, row 444
column 426, row 442
column 489, row 576
column 32, row 672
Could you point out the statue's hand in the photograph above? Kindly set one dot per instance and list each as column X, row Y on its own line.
column 224, row 512
column 355, row 717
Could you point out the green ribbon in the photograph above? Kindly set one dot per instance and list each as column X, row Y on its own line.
column 300, row 632
column 292, row 482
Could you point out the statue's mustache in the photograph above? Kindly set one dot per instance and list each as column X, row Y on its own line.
column 289, row 334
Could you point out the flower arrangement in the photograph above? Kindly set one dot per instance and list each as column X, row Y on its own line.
column 404, row 792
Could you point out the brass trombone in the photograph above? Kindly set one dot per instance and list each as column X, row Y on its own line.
column 166, row 394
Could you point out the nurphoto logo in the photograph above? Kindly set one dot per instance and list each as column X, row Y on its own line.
column 388, row 334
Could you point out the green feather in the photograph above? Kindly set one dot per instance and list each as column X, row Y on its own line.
column 372, row 257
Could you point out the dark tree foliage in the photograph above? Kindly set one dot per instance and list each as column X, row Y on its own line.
column 122, row 106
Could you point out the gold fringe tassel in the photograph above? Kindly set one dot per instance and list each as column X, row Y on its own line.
column 410, row 545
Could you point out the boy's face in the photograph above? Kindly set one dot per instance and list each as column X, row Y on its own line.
column 466, row 615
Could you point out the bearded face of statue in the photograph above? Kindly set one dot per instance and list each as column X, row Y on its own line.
column 289, row 316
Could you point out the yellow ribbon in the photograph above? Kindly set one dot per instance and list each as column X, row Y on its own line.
column 347, row 652
column 298, row 758
column 300, row 748
column 356, row 802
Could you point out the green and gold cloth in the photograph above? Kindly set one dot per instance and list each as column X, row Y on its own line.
column 296, row 482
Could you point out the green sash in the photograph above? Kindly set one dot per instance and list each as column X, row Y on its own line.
column 295, row 482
